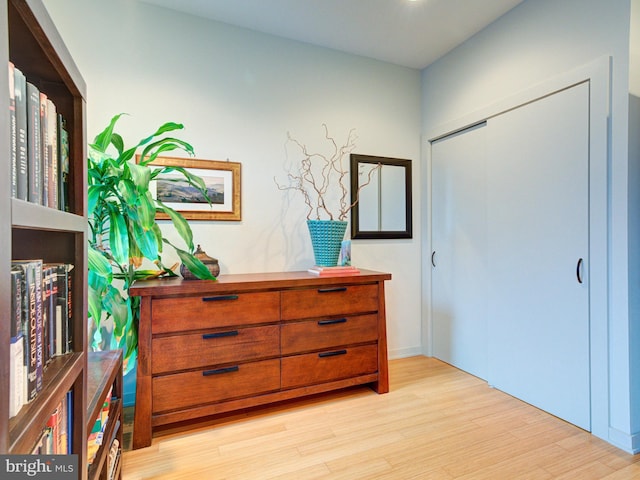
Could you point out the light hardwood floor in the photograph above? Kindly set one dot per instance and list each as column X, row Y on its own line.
column 436, row 423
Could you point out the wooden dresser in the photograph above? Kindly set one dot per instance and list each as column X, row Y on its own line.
column 252, row 339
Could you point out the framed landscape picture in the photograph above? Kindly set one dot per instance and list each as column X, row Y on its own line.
column 223, row 188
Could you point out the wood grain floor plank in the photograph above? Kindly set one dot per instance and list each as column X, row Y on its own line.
column 436, row 423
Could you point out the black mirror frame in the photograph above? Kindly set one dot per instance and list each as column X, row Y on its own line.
column 356, row 233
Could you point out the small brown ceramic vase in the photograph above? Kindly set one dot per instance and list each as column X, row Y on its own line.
column 210, row 262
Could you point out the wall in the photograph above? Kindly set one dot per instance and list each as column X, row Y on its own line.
column 536, row 41
column 634, row 204
column 238, row 93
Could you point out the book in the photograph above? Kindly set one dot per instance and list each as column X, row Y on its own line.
column 16, row 375
column 59, row 305
column 34, row 141
column 29, row 300
column 13, row 132
column 63, row 165
column 62, row 427
column 65, row 303
column 44, row 151
column 113, row 459
column 39, row 325
column 52, row 425
column 20, row 91
column 17, row 279
column 46, row 296
column 333, row 271
column 53, row 309
column 69, row 429
column 69, row 323
column 52, row 153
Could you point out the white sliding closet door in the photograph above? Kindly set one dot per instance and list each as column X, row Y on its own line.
column 537, row 244
column 459, row 250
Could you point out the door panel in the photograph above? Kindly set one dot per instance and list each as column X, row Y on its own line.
column 459, row 245
column 537, row 213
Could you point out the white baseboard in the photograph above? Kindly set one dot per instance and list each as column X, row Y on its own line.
column 628, row 443
column 405, row 352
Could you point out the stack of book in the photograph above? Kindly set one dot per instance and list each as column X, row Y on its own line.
column 41, row 325
column 39, row 144
column 334, row 271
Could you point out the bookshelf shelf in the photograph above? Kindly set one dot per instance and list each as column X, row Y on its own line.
column 58, row 378
column 29, row 39
column 30, row 215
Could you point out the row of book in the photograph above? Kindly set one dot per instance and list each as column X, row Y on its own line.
column 96, row 437
column 41, row 324
column 39, row 145
column 55, row 438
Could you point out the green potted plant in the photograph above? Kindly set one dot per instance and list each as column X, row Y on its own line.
column 125, row 241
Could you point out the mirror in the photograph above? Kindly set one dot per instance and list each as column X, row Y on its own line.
column 382, row 188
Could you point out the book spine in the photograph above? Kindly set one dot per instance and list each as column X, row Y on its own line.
column 39, row 325
column 47, row 315
column 61, row 325
column 44, row 151
column 64, row 413
column 63, row 165
column 54, row 339
column 13, row 132
column 69, row 421
column 69, row 337
column 34, row 142
column 52, row 425
column 20, row 90
column 17, row 279
column 16, row 380
column 29, row 308
column 52, row 145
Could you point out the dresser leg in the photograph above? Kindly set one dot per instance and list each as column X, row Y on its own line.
column 142, row 414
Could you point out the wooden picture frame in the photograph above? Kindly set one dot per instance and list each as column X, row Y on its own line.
column 224, row 175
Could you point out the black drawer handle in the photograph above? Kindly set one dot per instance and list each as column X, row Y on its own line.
column 334, row 289
column 332, row 322
column 332, row 354
column 219, row 297
column 230, row 333
column 218, row 371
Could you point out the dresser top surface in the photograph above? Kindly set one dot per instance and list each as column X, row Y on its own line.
column 250, row 281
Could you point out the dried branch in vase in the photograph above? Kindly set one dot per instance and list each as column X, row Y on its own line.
column 322, row 178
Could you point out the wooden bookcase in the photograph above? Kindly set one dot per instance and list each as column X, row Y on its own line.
column 104, row 374
column 28, row 38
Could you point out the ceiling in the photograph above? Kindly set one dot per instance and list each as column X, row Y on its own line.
column 404, row 32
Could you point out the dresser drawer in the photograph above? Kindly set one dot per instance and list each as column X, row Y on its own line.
column 212, row 311
column 181, row 352
column 188, row 389
column 327, row 333
column 324, row 301
column 312, row 368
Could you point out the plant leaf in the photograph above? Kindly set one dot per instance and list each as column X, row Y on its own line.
column 118, row 236
column 180, row 223
column 103, row 139
column 99, row 264
column 141, row 175
column 147, row 241
column 146, row 210
column 193, row 263
column 93, row 195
